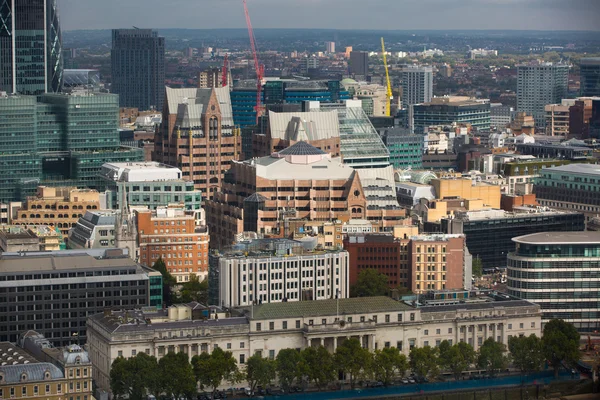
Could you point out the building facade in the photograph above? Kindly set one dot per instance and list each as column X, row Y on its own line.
column 560, row 271
column 500, row 115
column 378, row 322
column 359, row 63
column 539, row 84
column 54, row 292
column 406, row 149
column 138, row 68
column 31, row 61
column 447, row 110
column 417, row 85
column 178, row 237
column 590, row 77
column 29, row 238
column 557, row 119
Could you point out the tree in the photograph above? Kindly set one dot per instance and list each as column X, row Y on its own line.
column 194, row 290
column 491, row 356
column 316, row 365
column 387, row 363
column 527, row 353
column 560, row 343
column 146, row 366
column 424, row 361
column 259, row 371
column 287, row 367
column 135, row 377
column 351, row 358
column 477, row 267
column 177, row 374
column 119, row 378
column 168, row 281
column 370, row 283
column 456, row 358
column 211, row 370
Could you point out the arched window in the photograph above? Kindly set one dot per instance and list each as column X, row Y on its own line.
column 23, row 377
column 37, row 215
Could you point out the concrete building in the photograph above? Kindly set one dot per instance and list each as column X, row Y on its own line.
column 197, row 136
column 176, row 235
column 539, row 84
column 58, row 207
column 417, row 85
column 276, row 270
column 359, row 63
column 447, row 110
column 579, row 118
column 14, row 239
column 58, row 290
column 31, row 62
column 330, row 47
column 571, row 187
column 406, row 149
column 521, row 173
column 475, row 53
column 378, row 322
column 500, row 115
column 560, row 271
column 213, row 78
column 138, row 68
column 149, row 184
column 590, row 76
column 309, row 64
column 558, row 118
column 94, row 230
column 467, row 189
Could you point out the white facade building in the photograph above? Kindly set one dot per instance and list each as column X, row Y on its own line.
column 417, row 85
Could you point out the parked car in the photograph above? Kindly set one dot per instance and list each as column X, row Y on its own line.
column 405, row 381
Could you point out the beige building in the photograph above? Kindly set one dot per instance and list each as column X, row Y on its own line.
column 266, row 329
column 29, row 238
column 58, row 207
column 558, row 117
column 467, row 189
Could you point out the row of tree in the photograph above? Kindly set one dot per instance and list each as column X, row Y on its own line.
column 178, row 293
column 175, row 376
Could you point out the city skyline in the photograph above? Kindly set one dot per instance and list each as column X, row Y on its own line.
column 582, row 15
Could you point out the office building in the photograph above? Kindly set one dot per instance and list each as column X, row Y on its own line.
column 489, row 233
column 466, row 189
column 573, row 187
column 580, row 114
column 81, row 78
column 558, row 117
column 449, row 110
column 94, row 230
column 276, row 270
column 33, row 369
column 500, row 115
column 560, row 271
column 178, row 236
column 520, row 174
column 213, row 78
column 31, row 60
column 590, row 76
column 330, row 47
column 197, row 135
column 54, row 292
column 539, row 84
column 359, row 63
column 417, row 85
column 309, row 65
column 15, row 238
column 138, row 68
column 58, row 139
column 594, row 127
column 406, row 149
column 149, row 184
column 378, row 322
column 59, row 207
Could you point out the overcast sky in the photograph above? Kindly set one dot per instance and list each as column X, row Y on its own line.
column 337, row 14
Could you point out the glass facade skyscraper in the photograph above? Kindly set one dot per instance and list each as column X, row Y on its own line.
column 590, row 77
column 31, row 60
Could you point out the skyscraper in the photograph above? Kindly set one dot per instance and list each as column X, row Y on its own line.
column 138, row 68
column 359, row 63
column 590, row 77
column 539, row 84
column 31, row 60
column 417, row 85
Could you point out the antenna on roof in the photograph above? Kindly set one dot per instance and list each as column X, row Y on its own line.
column 135, row 27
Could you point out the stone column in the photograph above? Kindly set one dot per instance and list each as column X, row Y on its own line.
column 189, row 351
column 335, row 343
column 362, row 341
column 322, row 341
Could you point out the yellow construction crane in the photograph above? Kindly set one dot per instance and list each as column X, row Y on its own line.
column 390, row 96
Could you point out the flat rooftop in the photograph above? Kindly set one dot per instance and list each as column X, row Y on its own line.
column 477, row 306
column 583, row 169
column 24, row 263
column 140, row 165
column 585, row 237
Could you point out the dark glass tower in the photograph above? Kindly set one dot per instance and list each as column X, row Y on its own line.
column 138, row 68
column 30, row 47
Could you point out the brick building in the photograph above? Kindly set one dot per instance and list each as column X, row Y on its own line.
column 177, row 236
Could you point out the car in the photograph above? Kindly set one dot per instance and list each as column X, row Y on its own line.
column 411, row 380
column 248, row 391
column 405, row 381
column 203, row 396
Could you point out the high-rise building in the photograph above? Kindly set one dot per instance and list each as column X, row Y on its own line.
column 590, row 76
column 359, row 63
column 579, row 118
column 330, row 47
column 31, row 56
column 539, row 84
column 406, row 149
column 447, row 110
column 417, row 85
column 138, row 68
column 310, row 63
column 560, row 271
column 558, row 117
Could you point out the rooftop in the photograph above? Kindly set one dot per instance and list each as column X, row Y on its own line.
column 583, row 169
column 304, row 125
column 585, row 237
column 477, row 306
column 317, row 308
column 301, row 149
column 11, row 354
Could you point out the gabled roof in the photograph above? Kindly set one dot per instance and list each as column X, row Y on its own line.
column 306, row 126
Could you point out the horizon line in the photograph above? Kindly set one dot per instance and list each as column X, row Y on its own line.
column 357, row 29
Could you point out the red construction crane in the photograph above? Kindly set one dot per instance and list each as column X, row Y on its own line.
column 224, row 75
column 260, row 69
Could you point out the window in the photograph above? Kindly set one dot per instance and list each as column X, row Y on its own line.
column 228, row 346
column 412, row 316
column 449, row 330
column 271, row 354
column 426, row 332
column 271, row 326
column 242, row 358
column 426, row 343
column 324, row 321
column 297, row 324
column 509, row 326
column 241, row 345
column 310, row 322
column 258, row 327
column 387, row 317
column 47, row 390
column 387, row 344
column 438, row 331
column 521, row 325
column 120, row 353
column 24, row 390
column 399, row 317
column 284, row 325
column 12, row 392
column 362, row 319
column 399, row 345
column 35, row 390
column 133, row 353
column 533, row 324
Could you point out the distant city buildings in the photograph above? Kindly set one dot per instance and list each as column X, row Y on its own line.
column 406, row 149
column 447, row 110
column 359, row 63
column 330, row 47
column 138, row 68
column 558, row 118
column 417, row 85
column 501, row 115
column 590, row 77
column 474, row 53
column 213, row 78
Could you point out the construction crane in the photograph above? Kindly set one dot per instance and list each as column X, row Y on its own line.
column 260, row 69
column 224, row 73
column 389, row 94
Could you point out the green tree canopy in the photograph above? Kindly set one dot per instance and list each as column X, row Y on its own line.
column 211, row 370
column 456, row 358
column 370, row 283
column 135, row 377
column 424, row 361
column 177, row 375
column 316, row 365
column 477, row 267
column 194, row 290
column 527, row 353
column 169, row 281
column 491, row 356
column 259, row 371
column 560, row 343
column 287, row 367
column 351, row 358
column 387, row 363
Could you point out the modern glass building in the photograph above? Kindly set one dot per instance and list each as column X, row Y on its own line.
column 406, row 149
column 31, row 58
column 560, row 271
column 138, row 68
column 58, row 140
column 590, row 77
column 445, row 111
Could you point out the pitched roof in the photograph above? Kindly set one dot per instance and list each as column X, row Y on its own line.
column 304, row 125
column 301, row 149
